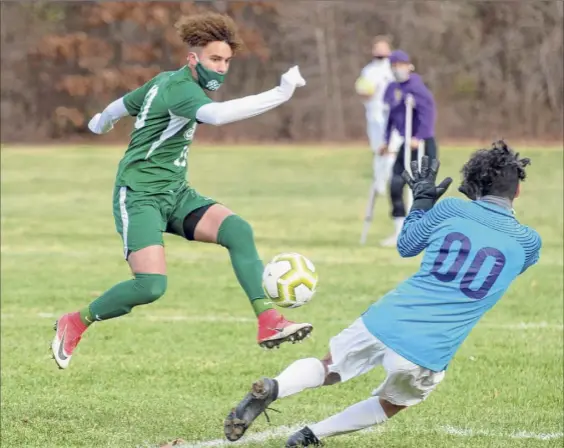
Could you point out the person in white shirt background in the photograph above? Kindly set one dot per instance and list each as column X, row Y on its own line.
column 371, row 86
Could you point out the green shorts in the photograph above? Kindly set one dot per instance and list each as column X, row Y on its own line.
column 141, row 218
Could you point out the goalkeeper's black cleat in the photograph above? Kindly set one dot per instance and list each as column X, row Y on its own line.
column 263, row 392
column 304, row 437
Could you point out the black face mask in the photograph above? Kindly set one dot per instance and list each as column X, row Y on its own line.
column 380, row 58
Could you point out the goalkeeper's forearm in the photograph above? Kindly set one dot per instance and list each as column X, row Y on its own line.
column 239, row 109
column 105, row 121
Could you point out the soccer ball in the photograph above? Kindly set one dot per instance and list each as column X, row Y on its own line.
column 289, row 280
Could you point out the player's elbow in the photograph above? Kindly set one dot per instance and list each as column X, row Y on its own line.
column 405, row 253
column 406, row 250
column 210, row 114
column 214, row 120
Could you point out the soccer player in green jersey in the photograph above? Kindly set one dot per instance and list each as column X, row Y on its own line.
column 152, row 196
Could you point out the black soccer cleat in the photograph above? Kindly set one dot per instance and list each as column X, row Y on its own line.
column 304, row 437
column 263, row 392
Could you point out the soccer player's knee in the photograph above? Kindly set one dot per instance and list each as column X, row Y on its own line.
column 234, row 231
column 151, row 286
column 331, row 378
column 389, row 408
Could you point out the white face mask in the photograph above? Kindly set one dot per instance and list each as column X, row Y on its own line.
column 401, row 74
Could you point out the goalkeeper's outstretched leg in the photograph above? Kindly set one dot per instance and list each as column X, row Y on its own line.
column 415, row 330
column 353, row 352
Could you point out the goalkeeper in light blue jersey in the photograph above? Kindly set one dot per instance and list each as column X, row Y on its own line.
column 473, row 250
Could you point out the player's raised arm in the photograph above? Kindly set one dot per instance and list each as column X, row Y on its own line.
column 423, row 218
column 219, row 113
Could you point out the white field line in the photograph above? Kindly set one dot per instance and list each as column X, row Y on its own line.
column 464, row 432
column 238, row 319
column 286, row 431
column 218, row 319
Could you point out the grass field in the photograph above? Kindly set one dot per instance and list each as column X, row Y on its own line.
column 176, row 367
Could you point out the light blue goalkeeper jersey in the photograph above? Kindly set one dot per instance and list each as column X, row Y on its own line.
column 473, row 251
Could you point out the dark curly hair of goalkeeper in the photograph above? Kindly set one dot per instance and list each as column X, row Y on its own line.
column 496, row 171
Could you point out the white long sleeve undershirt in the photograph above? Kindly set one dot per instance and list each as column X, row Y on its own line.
column 219, row 113
column 216, row 113
column 104, row 122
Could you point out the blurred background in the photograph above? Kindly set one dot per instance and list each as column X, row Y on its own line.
column 495, row 67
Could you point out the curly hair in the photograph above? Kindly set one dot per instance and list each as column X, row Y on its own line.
column 198, row 30
column 496, row 171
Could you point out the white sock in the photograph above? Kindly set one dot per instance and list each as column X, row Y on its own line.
column 398, row 225
column 302, row 374
column 356, row 417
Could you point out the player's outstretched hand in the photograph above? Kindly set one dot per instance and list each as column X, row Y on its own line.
column 100, row 126
column 292, row 79
column 422, row 183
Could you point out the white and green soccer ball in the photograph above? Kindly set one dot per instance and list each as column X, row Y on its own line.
column 289, row 280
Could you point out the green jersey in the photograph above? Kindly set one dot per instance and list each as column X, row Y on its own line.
column 156, row 159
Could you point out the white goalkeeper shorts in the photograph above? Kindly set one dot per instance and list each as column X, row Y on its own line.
column 356, row 351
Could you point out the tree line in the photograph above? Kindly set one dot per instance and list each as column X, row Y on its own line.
column 496, row 68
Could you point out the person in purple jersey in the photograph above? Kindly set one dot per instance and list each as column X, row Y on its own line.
column 472, row 252
column 423, row 129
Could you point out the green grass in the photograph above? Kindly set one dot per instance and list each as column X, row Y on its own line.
column 138, row 381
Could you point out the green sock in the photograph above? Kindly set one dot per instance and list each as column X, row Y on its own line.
column 119, row 300
column 86, row 316
column 261, row 305
column 237, row 236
